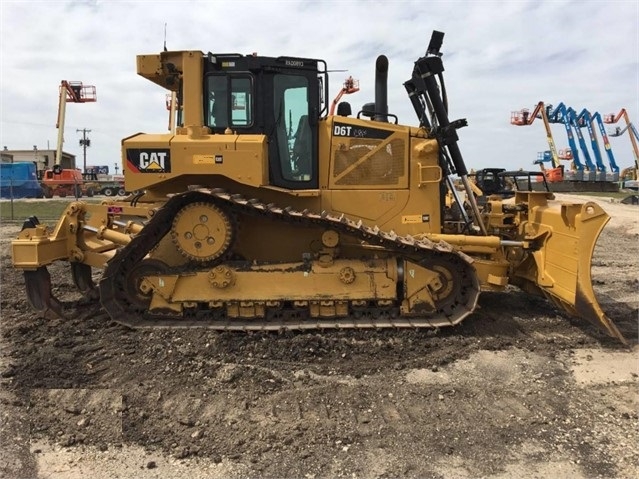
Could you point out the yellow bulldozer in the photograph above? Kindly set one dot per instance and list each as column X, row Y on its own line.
column 262, row 211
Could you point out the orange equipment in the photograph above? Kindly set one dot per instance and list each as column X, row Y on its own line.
column 350, row 86
column 74, row 92
column 632, row 133
column 64, row 182
column 524, row 117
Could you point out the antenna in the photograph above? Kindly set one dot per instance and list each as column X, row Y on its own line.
column 165, row 37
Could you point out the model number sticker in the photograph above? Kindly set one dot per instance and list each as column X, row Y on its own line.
column 342, row 130
column 350, row 131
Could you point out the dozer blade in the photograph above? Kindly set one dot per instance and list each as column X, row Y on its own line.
column 38, row 286
column 567, row 238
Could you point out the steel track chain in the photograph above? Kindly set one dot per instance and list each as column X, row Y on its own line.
column 114, row 283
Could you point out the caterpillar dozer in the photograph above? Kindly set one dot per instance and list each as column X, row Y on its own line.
column 262, row 211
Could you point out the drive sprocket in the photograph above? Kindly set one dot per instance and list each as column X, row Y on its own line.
column 202, row 231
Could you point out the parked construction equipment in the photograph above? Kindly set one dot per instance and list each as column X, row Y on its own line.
column 525, row 117
column 70, row 92
column 578, row 172
column 585, row 119
column 350, row 86
column 629, row 173
column 64, row 182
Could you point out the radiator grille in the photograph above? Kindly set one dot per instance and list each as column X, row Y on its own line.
column 368, row 162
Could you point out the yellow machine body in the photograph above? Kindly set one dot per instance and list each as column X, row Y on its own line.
column 233, row 228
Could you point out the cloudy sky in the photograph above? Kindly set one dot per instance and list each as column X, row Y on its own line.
column 499, row 57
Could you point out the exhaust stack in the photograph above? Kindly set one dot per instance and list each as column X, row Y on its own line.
column 381, row 89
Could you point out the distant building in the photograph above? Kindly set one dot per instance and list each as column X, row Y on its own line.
column 42, row 158
column 5, row 156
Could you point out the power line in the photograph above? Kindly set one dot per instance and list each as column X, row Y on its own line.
column 84, row 143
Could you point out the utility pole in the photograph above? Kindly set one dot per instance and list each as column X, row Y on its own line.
column 84, row 143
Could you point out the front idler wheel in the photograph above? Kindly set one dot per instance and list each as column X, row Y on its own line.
column 447, row 292
column 137, row 297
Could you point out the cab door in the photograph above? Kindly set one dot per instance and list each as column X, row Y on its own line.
column 292, row 129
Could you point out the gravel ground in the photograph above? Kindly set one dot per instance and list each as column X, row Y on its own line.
column 517, row 391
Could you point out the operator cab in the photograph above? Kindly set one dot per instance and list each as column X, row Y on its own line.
column 282, row 98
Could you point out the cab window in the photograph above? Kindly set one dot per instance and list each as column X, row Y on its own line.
column 293, row 128
column 241, row 102
column 229, row 101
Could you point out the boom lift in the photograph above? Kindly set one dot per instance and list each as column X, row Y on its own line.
column 595, row 172
column 598, row 170
column 619, row 131
column 631, row 172
column 560, row 115
column 233, row 228
column 59, row 181
column 74, row 92
column 350, row 86
column 525, row 117
column 584, row 118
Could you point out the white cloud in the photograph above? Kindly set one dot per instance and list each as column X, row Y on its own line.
column 499, row 57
